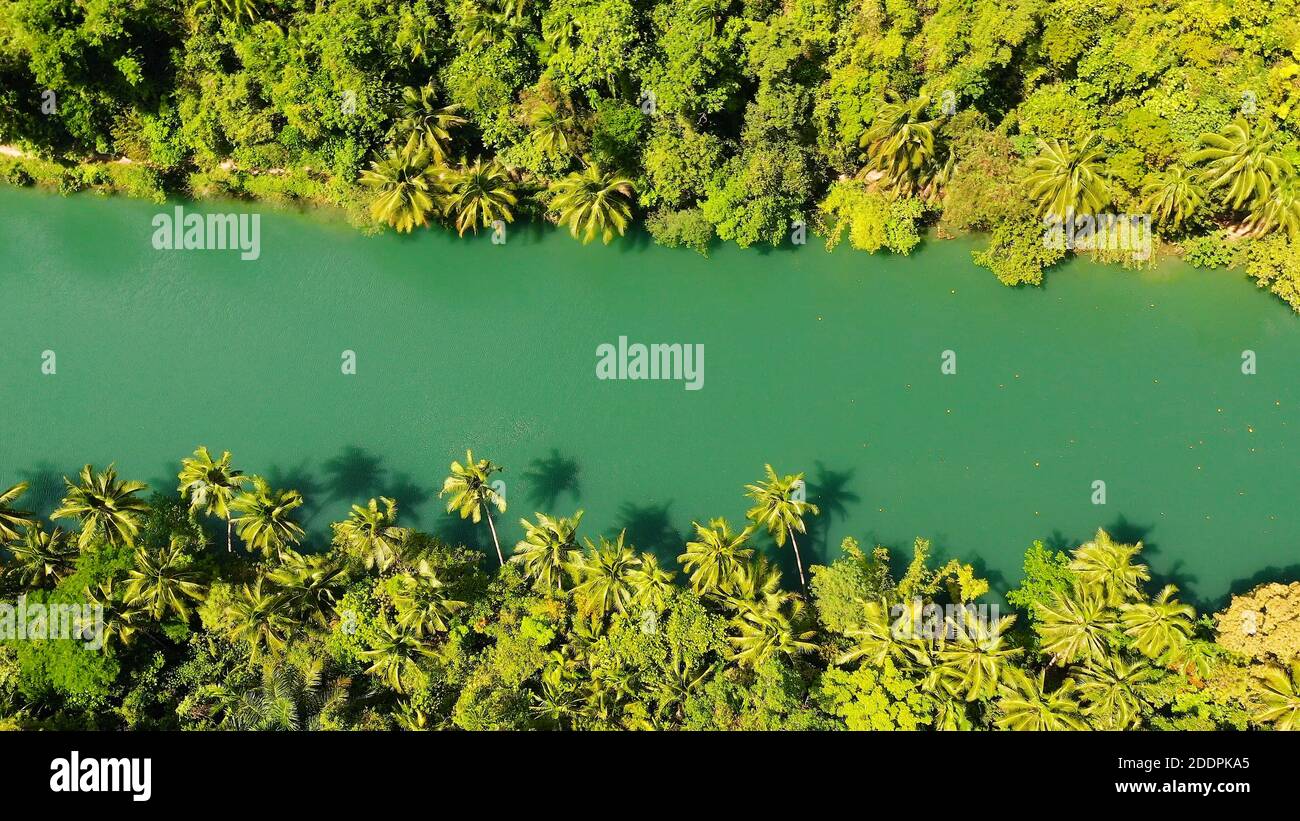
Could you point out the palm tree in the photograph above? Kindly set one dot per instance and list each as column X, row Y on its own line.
column 1026, row 704
column 162, row 581
column 421, row 600
column 591, row 202
column 267, row 524
column 604, row 574
column 486, row 22
column 371, row 534
column 1160, row 626
column 472, row 493
column 1278, row 211
column 651, row 584
column 260, row 618
column 120, row 621
column 396, row 657
column 41, row 558
column 777, row 509
column 408, row 186
column 878, row 637
column 1109, row 566
column 107, row 509
column 480, row 194
column 309, row 585
column 1172, row 196
column 13, row 520
column 1245, row 165
column 975, row 661
column 715, row 555
column 548, row 550
column 551, row 124
column 1065, row 179
column 1280, row 692
column 1076, row 626
column 420, row 116
column 211, row 486
column 765, row 632
column 240, row 12
column 1111, row 689
column 900, row 143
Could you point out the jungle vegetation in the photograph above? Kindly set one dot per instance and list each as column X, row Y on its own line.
column 219, row 613
column 705, row 120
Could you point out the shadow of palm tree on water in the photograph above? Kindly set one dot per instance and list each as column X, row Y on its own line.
column 549, row 478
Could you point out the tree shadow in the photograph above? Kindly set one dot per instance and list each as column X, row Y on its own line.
column 354, row 475
column 650, row 528
column 408, row 495
column 300, row 478
column 828, row 489
column 551, row 477
column 45, row 489
column 1270, row 574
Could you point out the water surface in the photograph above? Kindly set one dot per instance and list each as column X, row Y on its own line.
column 825, row 363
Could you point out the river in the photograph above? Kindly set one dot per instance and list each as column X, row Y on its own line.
column 828, row 363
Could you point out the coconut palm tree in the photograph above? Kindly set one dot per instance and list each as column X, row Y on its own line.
column 878, row 636
column 1066, row 179
column 778, row 508
column 371, row 534
column 261, row 618
column 472, row 494
column 593, row 202
column 13, row 520
column 1279, row 210
column 548, row 550
column 715, row 555
column 755, row 583
column 551, row 124
column 1111, row 689
column 408, row 186
column 108, row 509
column 1076, row 626
column 1243, row 164
column 973, row 664
column 239, row 12
column 267, row 523
column 479, row 195
column 1160, row 626
column 421, row 601
column 651, row 584
column 419, row 116
column 1026, row 705
column 1172, row 196
column 120, row 621
column 162, row 581
column 604, row 577
column 310, row 585
column 41, row 558
column 765, row 632
column 484, row 23
column 1107, row 565
column 396, row 657
column 899, row 143
column 210, row 486
column 1279, row 690
column 679, row 683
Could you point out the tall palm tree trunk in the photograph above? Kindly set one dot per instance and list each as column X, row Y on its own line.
column 230, row 526
column 798, row 561
column 495, row 543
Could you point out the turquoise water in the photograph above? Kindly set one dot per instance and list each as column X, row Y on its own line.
column 816, row 362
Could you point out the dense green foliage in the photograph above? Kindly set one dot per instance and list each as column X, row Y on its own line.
column 245, row 626
column 737, row 120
